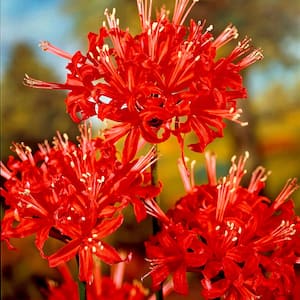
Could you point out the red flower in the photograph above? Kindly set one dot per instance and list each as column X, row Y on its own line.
column 175, row 251
column 249, row 244
column 114, row 286
column 67, row 290
column 75, row 193
column 165, row 81
column 102, row 288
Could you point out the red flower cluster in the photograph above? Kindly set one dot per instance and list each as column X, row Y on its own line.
column 242, row 244
column 168, row 80
column 75, row 193
column 102, row 288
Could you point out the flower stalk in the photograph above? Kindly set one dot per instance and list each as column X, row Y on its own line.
column 155, row 221
column 154, row 182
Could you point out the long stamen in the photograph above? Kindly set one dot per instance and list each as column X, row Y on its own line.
column 113, row 23
column 229, row 33
column 4, row 171
column 46, row 46
column 24, row 152
column 104, row 56
column 39, row 84
column 223, row 199
column 210, row 162
column 259, row 176
column 154, row 210
column 181, row 11
column 230, row 114
column 237, row 171
column 250, row 59
column 187, row 176
column 144, row 13
column 185, row 61
column 290, row 187
column 145, row 161
column 283, row 232
column 242, row 48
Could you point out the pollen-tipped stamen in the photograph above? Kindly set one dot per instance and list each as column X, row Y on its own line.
column 181, row 11
column 229, row 33
column 154, row 210
column 46, row 46
column 290, row 187
column 281, row 233
column 210, row 163
column 39, row 84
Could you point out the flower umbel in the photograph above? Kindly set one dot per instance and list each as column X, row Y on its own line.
column 167, row 80
column 75, row 193
column 103, row 287
column 242, row 244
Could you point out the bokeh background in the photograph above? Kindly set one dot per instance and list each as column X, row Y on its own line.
column 29, row 115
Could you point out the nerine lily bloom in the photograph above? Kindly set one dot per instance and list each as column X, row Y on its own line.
column 103, row 287
column 75, row 193
column 167, row 80
column 246, row 244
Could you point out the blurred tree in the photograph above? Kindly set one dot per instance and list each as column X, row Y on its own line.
column 277, row 111
column 30, row 115
column 271, row 23
column 283, row 98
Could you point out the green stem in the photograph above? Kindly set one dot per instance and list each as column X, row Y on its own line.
column 154, row 182
column 82, row 290
column 81, row 284
column 54, row 233
column 155, row 223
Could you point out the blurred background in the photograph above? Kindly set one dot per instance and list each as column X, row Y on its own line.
column 29, row 115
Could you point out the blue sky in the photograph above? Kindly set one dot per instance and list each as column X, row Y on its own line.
column 33, row 21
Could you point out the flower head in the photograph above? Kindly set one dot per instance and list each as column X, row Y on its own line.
column 102, row 288
column 167, row 80
column 67, row 290
column 243, row 245
column 75, row 193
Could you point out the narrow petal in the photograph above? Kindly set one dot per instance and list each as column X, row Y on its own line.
column 108, row 254
column 131, row 144
column 41, row 238
column 108, row 226
column 180, row 280
column 86, row 266
column 65, row 253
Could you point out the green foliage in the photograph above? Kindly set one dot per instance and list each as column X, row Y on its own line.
column 30, row 115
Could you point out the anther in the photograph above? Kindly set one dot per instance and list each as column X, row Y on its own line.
column 91, row 54
column 210, row 28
